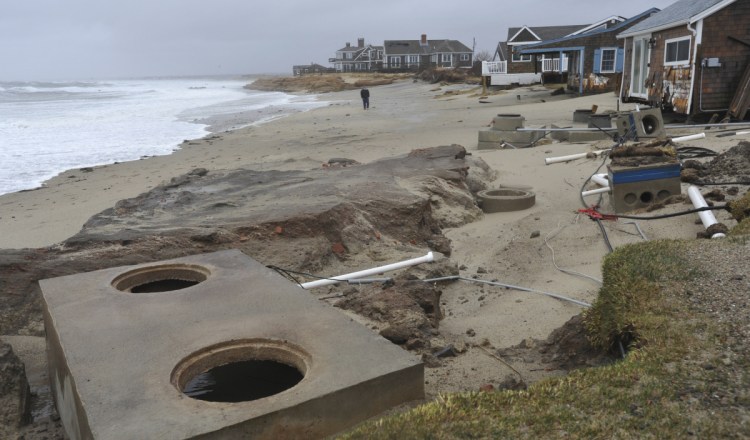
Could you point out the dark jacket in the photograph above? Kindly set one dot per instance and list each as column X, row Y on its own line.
column 364, row 93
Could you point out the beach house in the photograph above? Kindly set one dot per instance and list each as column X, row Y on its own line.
column 360, row 58
column 692, row 57
column 510, row 66
column 406, row 55
column 593, row 58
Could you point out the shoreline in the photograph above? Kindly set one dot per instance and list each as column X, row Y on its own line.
column 403, row 116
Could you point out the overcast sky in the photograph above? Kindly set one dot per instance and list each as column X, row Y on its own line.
column 88, row 39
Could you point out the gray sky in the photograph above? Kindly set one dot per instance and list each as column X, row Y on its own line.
column 82, row 39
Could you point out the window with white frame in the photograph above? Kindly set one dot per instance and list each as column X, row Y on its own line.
column 447, row 57
column 464, row 57
column 608, row 57
column 521, row 58
column 412, row 59
column 394, row 61
column 677, row 51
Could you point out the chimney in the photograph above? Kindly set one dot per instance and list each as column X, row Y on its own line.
column 348, row 44
column 423, row 42
column 360, row 42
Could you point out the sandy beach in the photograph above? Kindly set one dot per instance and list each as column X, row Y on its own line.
column 403, row 116
column 516, row 248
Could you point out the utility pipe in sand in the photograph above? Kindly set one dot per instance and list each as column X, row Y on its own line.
column 691, row 137
column 551, row 160
column 707, row 217
column 367, row 272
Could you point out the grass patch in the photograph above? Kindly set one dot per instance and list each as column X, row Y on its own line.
column 662, row 389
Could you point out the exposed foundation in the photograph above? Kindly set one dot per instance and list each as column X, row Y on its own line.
column 212, row 346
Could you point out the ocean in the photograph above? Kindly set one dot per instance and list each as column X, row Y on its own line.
column 49, row 127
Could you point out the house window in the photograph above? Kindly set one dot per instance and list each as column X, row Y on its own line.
column 412, row 59
column 348, row 55
column 521, row 58
column 677, row 51
column 608, row 61
column 394, row 61
column 464, row 57
column 447, row 57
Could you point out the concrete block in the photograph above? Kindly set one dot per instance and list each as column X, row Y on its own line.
column 212, row 346
column 516, row 138
column 481, row 145
column 642, row 124
column 639, row 187
column 587, row 136
column 561, row 136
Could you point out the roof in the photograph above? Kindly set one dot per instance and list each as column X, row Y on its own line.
column 615, row 28
column 545, row 32
column 502, row 51
column 605, row 22
column 676, row 14
column 411, row 47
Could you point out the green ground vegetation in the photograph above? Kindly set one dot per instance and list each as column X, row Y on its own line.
column 662, row 389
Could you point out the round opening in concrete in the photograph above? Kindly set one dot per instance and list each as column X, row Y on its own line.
column 163, row 278
column 241, row 371
column 647, row 197
column 650, row 124
column 663, row 195
column 630, row 198
column 505, row 199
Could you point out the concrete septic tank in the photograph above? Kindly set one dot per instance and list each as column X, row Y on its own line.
column 212, row 346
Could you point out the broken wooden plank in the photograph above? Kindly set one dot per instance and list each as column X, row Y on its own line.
column 741, row 100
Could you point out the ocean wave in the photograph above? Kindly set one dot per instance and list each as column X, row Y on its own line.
column 50, row 127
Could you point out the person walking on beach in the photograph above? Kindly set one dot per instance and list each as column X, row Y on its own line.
column 365, row 94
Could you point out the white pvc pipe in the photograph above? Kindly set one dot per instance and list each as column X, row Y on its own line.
column 691, row 137
column 363, row 273
column 551, row 160
column 591, row 192
column 600, row 179
column 707, row 217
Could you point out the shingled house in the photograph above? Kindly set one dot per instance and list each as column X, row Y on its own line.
column 360, row 58
column 400, row 55
column 692, row 57
column 594, row 56
column 512, row 65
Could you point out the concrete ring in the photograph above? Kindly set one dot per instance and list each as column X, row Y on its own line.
column 505, row 199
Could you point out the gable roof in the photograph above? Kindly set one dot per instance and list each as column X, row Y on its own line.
column 605, row 22
column 617, row 27
column 544, row 33
column 413, row 47
column 682, row 12
column 502, row 51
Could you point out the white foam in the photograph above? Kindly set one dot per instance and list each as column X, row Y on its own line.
column 47, row 128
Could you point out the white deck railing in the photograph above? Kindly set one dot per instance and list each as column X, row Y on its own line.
column 494, row 67
column 553, row 64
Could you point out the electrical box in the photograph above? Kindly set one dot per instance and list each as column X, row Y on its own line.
column 712, row 62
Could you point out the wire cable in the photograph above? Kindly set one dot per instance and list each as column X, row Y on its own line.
column 548, row 237
column 674, row 214
column 746, row 182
